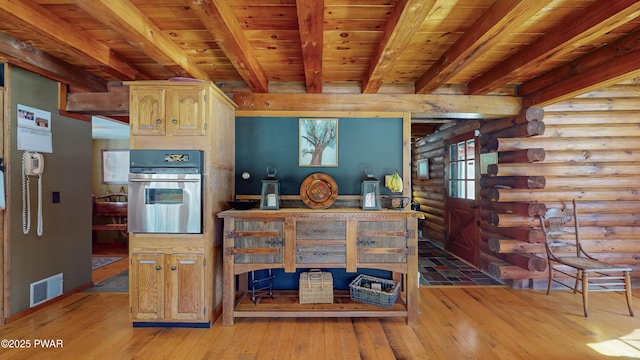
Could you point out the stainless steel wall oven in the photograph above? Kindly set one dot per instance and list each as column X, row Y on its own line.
column 165, row 191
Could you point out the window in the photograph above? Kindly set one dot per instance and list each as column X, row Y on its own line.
column 462, row 170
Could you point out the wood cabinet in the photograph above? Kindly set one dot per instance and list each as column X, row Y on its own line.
column 291, row 239
column 176, row 278
column 167, row 287
column 167, row 111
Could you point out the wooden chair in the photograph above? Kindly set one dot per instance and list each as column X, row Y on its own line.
column 587, row 271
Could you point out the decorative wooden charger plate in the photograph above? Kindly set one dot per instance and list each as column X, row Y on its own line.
column 319, row 191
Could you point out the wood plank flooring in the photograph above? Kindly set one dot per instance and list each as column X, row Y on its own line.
column 454, row 323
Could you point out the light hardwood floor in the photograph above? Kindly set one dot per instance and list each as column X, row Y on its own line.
column 454, row 323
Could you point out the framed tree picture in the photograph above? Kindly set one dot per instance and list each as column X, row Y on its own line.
column 318, row 142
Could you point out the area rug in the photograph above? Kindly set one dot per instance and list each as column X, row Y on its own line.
column 117, row 283
column 100, row 261
column 441, row 268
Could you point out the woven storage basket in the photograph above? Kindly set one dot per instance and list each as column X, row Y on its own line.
column 316, row 287
column 360, row 290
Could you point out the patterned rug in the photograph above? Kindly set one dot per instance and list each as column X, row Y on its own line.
column 100, row 261
column 441, row 268
column 117, row 283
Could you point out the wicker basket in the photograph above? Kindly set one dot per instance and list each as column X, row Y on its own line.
column 316, row 287
column 361, row 290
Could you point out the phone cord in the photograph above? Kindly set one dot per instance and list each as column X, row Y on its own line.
column 39, row 229
column 26, row 198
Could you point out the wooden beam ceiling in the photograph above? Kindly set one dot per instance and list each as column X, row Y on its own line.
column 217, row 16
column 406, row 18
column 495, row 24
column 32, row 59
column 591, row 23
column 26, row 14
column 310, row 24
column 125, row 19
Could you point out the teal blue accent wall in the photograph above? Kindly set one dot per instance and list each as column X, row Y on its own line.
column 374, row 143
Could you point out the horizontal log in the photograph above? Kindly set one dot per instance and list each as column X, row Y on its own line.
column 531, row 128
column 589, row 156
column 590, row 117
column 598, row 207
column 531, row 262
column 514, row 246
column 432, row 234
column 528, row 114
column 504, row 271
column 602, row 246
column 580, row 182
column 531, row 235
column 604, row 129
column 511, row 220
column 555, row 143
column 603, row 233
column 522, row 156
column 545, row 195
column 523, row 209
column 567, row 170
column 515, row 182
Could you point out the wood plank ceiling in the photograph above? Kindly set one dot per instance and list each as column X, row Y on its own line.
column 358, row 55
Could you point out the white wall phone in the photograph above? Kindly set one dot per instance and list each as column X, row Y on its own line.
column 32, row 165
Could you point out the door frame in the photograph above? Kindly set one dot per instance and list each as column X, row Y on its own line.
column 473, row 203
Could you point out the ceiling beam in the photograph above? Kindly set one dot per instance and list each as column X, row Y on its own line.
column 26, row 56
column 442, row 106
column 219, row 19
column 125, row 19
column 405, row 20
column 310, row 25
column 495, row 24
column 31, row 17
column 592, row 22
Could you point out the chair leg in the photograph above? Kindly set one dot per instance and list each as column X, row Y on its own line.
column 627, row 289
column 579, row 275
column 550, row 277
column 585, row 293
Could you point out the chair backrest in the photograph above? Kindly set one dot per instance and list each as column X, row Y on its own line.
column 554, row 223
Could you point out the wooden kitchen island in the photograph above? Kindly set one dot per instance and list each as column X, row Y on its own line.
column 291, row 239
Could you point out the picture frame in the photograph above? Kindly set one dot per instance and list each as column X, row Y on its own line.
column 422, row 168
column 318, row 142
column 115, row 166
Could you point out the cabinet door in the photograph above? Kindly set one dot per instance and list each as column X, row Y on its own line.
column 258, row 242
column 186, row 111
column 147, row 286
column 382, row 241
column 147, row 111
column 321, row 242
column 186, row 279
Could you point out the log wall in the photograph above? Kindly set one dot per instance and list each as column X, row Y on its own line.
column 591, row 155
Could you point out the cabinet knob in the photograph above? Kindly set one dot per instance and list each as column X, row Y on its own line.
column 158, row 267
column 158, row 121
column 173, row 268
column 174, row 121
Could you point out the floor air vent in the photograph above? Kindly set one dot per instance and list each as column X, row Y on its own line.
column 45, row 289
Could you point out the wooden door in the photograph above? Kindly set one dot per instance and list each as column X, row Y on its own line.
column 186, row 284
column 147, row 112
column 462, row 230
column 186, row 111
column 146, row 290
